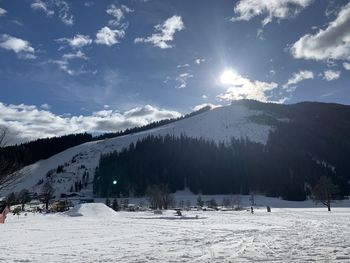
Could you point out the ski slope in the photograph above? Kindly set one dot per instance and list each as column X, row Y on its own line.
column 284, row 235
column 219, row 124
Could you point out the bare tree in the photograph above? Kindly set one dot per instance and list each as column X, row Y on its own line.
column 24, row 197
column 324, row 191
column 236, row 202
column 159, row 196
column 47, row 193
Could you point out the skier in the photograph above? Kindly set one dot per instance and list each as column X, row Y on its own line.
column 251, row 210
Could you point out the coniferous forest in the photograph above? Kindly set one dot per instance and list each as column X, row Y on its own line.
column 308, row 141
column 208, row 168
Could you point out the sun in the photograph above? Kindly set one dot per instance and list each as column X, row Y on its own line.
column 228, row 77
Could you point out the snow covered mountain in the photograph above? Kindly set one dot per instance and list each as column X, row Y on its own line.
column 219, row 124
column 298, row 143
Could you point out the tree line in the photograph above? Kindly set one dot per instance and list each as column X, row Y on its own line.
column 239, row 167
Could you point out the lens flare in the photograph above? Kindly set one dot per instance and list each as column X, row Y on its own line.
column 228, row 77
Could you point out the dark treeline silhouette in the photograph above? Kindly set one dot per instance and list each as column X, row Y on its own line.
column 208, row 168
column 30, row 152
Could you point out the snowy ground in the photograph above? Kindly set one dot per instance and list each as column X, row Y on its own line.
column 101, row 235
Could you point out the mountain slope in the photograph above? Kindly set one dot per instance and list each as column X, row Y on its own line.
column 220, row 124
column 296, row 144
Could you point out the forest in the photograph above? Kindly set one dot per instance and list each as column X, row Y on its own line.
column 240, row 167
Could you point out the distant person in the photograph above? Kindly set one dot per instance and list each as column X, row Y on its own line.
column 251, row 210
column 4, row 210
column 268, row 208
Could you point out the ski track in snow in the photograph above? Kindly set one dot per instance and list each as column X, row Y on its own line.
column 285, row 235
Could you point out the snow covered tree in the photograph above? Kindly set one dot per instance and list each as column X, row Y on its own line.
column 324, row 191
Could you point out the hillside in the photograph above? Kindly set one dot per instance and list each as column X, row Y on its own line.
column 220, row 124
column 302, row 141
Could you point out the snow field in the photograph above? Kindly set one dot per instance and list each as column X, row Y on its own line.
column 285, row 235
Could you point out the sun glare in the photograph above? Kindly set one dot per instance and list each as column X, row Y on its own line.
column 228, row 77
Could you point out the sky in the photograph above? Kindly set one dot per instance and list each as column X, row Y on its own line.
column 101, row 65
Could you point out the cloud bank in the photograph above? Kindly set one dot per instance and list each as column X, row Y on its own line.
column 333, row 42
column 240, row 87
column 28, row 122
column 272, row 9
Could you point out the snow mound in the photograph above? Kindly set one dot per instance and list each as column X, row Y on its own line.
column 91, row 210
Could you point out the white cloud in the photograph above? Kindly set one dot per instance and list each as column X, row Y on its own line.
column 89, row 3
column 63, row 63
column 18, row 23
column 260, row 34
column 109, row 37
column 78, row 41
column 51, row 7
column 346, row 65
column 182, row 80
column 78, row 55
column 183, row 66
column 330, row 75
column 240, row 87
column 118, row 14
column 17, row 45
column 278, row 9
column 201, row 106
column 2, row 12
column 164, row 33
column 42, row 6
column 27, row 122
column 199, row 61
column 45, row 106
column 64, row 12
column 333, row 42
column 166, row 80
column 298, row 77
column 204, row 96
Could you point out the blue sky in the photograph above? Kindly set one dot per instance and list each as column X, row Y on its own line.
column 74, row 66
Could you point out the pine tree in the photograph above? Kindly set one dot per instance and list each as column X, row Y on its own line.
column 115, row 205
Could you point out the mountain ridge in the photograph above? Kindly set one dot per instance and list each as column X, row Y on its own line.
column 264, row 123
